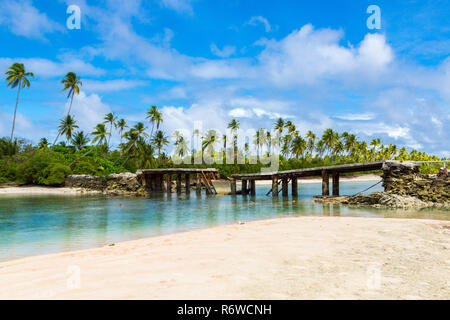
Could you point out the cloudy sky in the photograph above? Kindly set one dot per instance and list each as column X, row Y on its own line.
column 315, row 63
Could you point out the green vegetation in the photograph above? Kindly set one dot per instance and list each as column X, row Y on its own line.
column 92, row 153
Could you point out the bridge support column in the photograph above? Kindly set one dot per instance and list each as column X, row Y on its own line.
column 335, row 177
column 325, row 183
column 294, row 187
column 275, row 187
column 233, row 186
column 198, row 184
column 284, row 187
column 169, row 183
column 244, row 188
column 187, row 183
column 178, row 183
column 252, row 187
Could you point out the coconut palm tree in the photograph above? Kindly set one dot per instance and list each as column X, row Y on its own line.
column 155, row 117
column 311, row 141
column 72, row 83
column 234, row 125
column 17, row 77
column 66, row 127
column 110, row 119
column 160, row 140
column 298, row 146
column 259, row 140
column 43, row 143
column 121, row 125
column 80, row 140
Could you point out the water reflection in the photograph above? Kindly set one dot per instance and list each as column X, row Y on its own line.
column 45, row 224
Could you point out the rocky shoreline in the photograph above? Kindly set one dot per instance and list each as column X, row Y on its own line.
column 404, row 188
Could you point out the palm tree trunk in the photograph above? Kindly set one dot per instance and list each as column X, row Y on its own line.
column 70, row 107
column 15, row 111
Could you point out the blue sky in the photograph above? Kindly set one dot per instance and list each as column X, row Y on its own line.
column 313, row 62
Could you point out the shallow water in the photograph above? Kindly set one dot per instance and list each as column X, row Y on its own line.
column 33, row 225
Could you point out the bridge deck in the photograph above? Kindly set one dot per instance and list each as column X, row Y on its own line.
column 310, row 172
column 284, row 177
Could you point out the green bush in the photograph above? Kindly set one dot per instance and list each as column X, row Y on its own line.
column 43, row 167
column 85, row 167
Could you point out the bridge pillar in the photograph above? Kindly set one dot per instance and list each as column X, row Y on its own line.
column 335, row 177
column 284, row 187
column 294, row 187
column 187, row 183
column 275, row 187
column 169, row 183
column 233, row 186
column 178, row 183
column 198, row 184
column 244, row 188
column 325, row 183
column 252, row 187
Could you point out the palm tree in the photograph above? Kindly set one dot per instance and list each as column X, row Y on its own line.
column 160, row 140
column 234, row 127
column 121, row 125
column 155, row 118
column 66, row 127
column 43, row 144
column 80, row 140
column 311, row 141
column 73, row 83
column 100, row 135
column 133, row 136
column 17, row 77
column 259, row 140
column 298, row 146
column 111, row 119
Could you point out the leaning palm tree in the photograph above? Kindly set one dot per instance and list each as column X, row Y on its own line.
column 110, row 119
column 133, row 135
column 66, row 127
column 17, row 77
column 72, row 83
column 121, row 125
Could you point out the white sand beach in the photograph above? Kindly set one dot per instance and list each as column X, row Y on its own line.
column 286, row 258
column 42, row 190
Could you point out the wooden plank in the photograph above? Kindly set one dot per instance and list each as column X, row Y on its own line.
column 198, row 188
column 207, row 185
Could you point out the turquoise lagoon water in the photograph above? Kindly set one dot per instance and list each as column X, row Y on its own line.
column 33, row 225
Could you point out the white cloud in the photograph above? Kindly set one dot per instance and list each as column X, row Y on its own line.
column 356, row 116
column 111, row 85
column 47, row 68
column 180, row 6
column 23, row 19
column 260, row 20
column 307, row 56
column 88, row 110
column 225, row 52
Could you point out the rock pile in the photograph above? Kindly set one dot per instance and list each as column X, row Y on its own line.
column 114, row 184
column 405, row 180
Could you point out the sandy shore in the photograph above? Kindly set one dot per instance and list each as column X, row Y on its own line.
column 40, row 190
column 288, row 258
